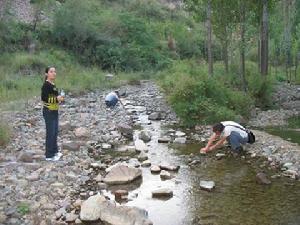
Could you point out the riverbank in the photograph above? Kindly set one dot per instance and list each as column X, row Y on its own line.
column 34, row 191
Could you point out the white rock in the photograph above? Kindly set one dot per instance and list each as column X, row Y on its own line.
column 207, row 185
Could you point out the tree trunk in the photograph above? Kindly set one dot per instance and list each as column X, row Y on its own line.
column 225, row 51
column 264, row 40
column 242, row 48
column 258, row 53
column 209, row 41
column 287, row 38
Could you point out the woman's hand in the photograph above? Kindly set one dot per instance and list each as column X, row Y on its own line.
column 60, row 99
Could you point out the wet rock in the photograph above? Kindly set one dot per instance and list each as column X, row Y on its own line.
column 146, row 163
column 25, row 157
column 169, row 167
column 179, row 134
column 82, row 132
column 140, row 146
column 220, row 155
column 155, row 169
column 261, row 178
column 142, row 156
column 162, row 193
column 288, row 165
column 126, row 130
column 106, row 211
column 180, row 140
column 145, row 136
column 165, row 175
column 291, row 173
column 122, row 174
column 207, row 185
column 155, row 116
column 164, row 140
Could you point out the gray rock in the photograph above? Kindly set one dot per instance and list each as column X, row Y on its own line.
column 145, row 136
column 155, row 169
column 142, row 156
column 25, row 157
column 82, row 132
column 71, row 217
column 180, row 140
column 90, row 209
column 140, row 146
column 179, row 134
column 164, row 140
column 126, row 130
column 261, row 178
column 220, row 155
column 162, row 193
column 164, row 175
column 71, row 146
column 122, row 174
column 207, row 185
column 146, row 163
column 155, row 116
column 169, row 167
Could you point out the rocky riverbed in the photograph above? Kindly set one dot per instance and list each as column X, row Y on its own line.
column 102, row 148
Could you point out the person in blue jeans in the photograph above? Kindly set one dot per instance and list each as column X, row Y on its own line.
column 234, row 133
column 112, row 99
column 51, row 100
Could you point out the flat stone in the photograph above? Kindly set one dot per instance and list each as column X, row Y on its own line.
column 165, row 175
column 169, row 167
column 180, row 140
column 82, row 132
column 25, row 157
column 207, row 185
column 71, row 146
column 146, row 163
column 162, row 193
column 164, row 140
column 155, row 169
column 122, row 174
column 179, row 134
column 106, row 146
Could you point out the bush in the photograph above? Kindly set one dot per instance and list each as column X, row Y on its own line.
column 196, row 98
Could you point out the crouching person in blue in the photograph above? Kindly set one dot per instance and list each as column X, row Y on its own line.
column 112, row 99
column 235, row 134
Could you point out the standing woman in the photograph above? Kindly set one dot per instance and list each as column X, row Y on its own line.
column 51, row 100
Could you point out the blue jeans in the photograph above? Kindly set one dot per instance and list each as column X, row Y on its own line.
column 236, row 140
column 51, row 120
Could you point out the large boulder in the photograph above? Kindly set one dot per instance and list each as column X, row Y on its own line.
column 91, row 208
column 96, row 207
column 122, row 174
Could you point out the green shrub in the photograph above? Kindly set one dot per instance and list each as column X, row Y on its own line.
column 196, row 98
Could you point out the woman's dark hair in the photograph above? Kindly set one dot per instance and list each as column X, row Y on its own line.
column 47, row 70
column 218, row 127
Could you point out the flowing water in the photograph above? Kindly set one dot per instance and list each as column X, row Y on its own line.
column 236, row 200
